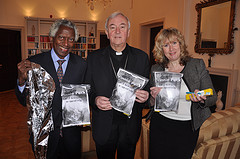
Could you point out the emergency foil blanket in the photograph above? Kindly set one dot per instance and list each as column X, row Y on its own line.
column 41, row 88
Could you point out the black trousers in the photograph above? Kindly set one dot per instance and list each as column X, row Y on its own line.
column 118, row 141
column 69, row 146
column 171, row 139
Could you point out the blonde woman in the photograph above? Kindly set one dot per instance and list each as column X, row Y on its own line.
column 174, row 134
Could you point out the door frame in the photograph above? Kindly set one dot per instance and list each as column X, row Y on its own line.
column 145, row 31
column 99, row 32
column 22, row 32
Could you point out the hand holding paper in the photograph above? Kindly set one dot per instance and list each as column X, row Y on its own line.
column 103, row 103
column 141, row 96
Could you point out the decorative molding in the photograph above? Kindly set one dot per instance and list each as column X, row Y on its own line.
column 230, row 45
column 232, row 75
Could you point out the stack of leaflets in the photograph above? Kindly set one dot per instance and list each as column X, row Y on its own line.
column 168, row 98
column 123, row 95
column 75, row 105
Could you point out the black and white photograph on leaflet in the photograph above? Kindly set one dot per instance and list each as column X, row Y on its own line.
column 168, row 97
column 75, row 105
column 123, row 95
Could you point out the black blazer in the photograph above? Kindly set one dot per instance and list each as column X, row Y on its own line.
column 75, row 73
column 102, row 79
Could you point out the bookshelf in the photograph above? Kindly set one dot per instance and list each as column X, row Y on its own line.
column 37, row 39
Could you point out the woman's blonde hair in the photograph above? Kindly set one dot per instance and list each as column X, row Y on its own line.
column 169, row 34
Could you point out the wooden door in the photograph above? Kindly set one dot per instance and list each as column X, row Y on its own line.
column 10, row 53
column 104, row 41
column 153, row 33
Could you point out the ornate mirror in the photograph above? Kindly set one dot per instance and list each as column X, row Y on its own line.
column 215, row 26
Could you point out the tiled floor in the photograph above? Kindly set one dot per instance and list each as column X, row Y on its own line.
column 13, row 130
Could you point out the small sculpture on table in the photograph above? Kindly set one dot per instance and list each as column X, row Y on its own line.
column 219, row 103
column 91, row 33
column 209, row 61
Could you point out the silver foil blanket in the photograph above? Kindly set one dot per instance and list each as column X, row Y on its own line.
column 41, row 87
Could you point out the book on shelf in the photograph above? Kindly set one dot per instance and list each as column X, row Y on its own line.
column 91, row 46
column 79, row 46
column 32, row 52
column 46, row 45
column 44, row 38
column 32, row 45
column 76, row 45
column 83, row 46
column 79, row 52
column 82, row 39
column 31, row 39
column 91, row 40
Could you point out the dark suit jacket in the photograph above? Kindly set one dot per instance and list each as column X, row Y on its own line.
column 102, row 79
column 196, row 76
column 75, row 73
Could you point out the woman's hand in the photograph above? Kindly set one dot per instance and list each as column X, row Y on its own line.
column 154, row 91
column 197, row 98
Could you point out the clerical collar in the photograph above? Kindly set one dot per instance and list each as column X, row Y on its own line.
column 119, row 53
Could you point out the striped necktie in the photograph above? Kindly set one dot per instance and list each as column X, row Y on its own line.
column 60, row 70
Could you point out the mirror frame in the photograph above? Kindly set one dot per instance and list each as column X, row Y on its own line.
column 230, row 40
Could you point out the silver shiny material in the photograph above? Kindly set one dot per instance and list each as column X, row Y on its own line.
column 41, row 88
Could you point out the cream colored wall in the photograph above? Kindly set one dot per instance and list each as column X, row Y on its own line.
column 218, row 61
column 139, row 11
column 13, row 11
column 146, row 11
column 175, row 13
column 182, row 15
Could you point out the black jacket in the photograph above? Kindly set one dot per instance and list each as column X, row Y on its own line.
column 102, row 79
column 75, row 73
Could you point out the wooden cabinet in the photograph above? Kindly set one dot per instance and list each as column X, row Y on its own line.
column 37, row 39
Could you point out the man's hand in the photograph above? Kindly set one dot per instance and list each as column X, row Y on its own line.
column 103, row 103
column 141, row 96
column 23, row 67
